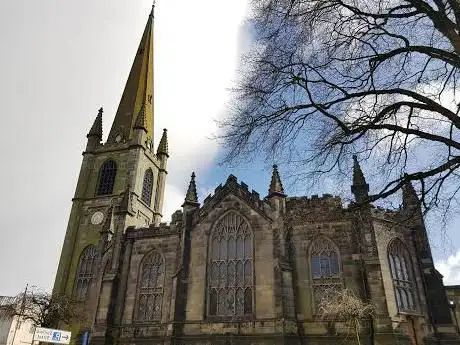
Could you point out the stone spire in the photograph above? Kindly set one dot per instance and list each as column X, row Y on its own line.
column 96, row 129
column 276, row 187
column 191, row 197
column 136, row 106
column 163, row 145
column 359, row 187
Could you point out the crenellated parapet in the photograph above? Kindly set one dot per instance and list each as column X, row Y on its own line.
column 316, row 208
column 152, row 231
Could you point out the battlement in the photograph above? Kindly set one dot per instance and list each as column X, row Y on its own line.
column 326, row 200
column 151, row 231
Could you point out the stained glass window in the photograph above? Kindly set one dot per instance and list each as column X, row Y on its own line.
column 85, row 271
column 150, row 288
column 147, row 187
column 231, row 281
column 325, row 268
column 401, row 273
column 107, row 178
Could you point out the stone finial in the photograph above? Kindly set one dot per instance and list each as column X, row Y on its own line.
column 96, row 129
column 191, row 197
column 163, row 145
column 276, row 186
column 141, row 118
column 359, row 187
column 410, row 198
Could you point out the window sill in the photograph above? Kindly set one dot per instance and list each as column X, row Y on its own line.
column 228, row 319
column 409, row 312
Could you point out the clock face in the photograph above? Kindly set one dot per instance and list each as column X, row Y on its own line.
column 97, row 218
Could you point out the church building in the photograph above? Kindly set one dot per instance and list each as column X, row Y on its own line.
column 237, row 267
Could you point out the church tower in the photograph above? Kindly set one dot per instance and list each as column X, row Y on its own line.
column 121, row 182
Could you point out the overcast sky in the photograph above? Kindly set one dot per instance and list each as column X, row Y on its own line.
column 61, row 61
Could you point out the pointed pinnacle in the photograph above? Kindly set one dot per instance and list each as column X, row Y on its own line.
column 140, row 119
column 191, row 196
column 410, row 197
column 96, row 129
column 359, row 187
column 276, row 186
column 163, row 145
column 358, row 176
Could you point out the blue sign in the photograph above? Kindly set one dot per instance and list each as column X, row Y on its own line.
column 56, row 336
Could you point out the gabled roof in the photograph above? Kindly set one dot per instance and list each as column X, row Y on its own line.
column 240, row 190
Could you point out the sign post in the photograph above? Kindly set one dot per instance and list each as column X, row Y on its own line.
column 48, row 335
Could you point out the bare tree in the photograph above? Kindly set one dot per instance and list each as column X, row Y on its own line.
column 43, row 309
column 344, row 306
column 327, row 79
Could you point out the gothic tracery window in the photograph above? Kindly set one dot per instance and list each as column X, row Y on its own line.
column 401, row 273
column 147, row 187
column 85, row 271
column 230, row 278
column 325, row 268
column 107, row 178
column 150, row 288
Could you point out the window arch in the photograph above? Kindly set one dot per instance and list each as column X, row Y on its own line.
column 85, row 271
column 230, row 277
column 325, row 268
column 403, row 278
column 150, row 288
column 107, row 178
column 147, row 187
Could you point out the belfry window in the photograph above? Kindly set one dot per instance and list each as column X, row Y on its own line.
column 85, row 271
column 325, row 268
column 107, row 178
column 147, row 187
column 401, row 273
column 230, row 270
column 150, row 288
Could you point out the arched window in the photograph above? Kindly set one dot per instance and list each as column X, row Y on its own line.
column 85, row 271
column 325, row 268
column 107, row 178
column 150, row 288
column 230, row 277
column 147, row 187
column 401, row 273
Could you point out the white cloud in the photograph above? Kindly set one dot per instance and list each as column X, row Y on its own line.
column 173, row 201
column 450, row 269
column 196, row 55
